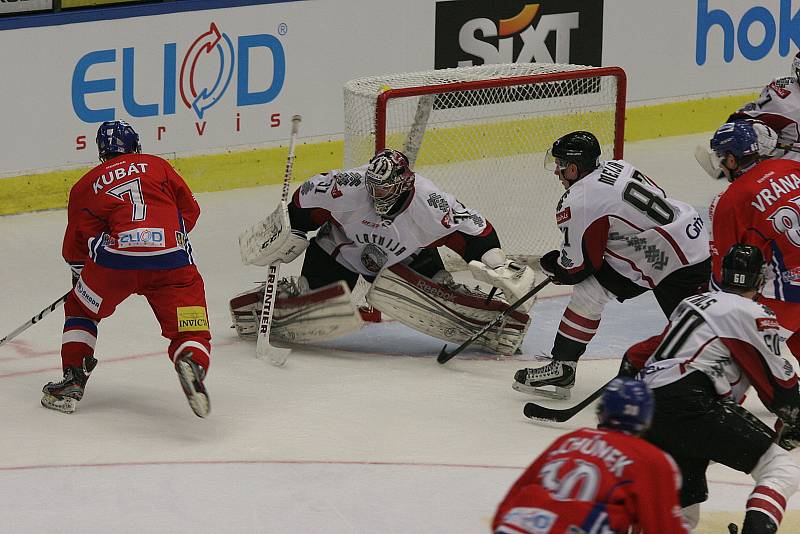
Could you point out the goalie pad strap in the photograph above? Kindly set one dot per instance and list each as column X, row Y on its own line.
column 439, row 311
column 318, row 315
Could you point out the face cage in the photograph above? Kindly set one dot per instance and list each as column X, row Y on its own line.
column 383, row 204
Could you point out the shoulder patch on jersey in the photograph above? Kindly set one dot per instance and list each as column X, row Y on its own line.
column 779, row 87
column 563, row 215
column 348, row 179
column 435, row 200
column 306, row 188
column 766, row 323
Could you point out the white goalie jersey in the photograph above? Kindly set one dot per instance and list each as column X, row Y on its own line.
column 363, row 241
column 778, row 106
column 619, row 215
column 731, row 339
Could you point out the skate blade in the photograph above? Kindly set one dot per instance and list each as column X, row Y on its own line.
column 194, row 390
column 63, row 405
column 557, row 393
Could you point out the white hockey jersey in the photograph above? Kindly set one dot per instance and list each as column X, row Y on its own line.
column 731, row 339
column 619, row 215
column 778, row 106
column 365, row 242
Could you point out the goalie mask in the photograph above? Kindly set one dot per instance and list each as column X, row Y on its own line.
column 116, row 137
column 795, row 70
column 388, row 176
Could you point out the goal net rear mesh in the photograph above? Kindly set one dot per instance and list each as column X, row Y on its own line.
column 481, row 132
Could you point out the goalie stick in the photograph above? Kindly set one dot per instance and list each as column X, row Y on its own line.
column 536, row 411
column 276, row 355
column 35, row 319
column 445, row 356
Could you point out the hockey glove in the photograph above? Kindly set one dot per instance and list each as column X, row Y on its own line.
column 788, row 436
column 75, row 270
column 514, row 279
column 272, row 240
column 551, row 268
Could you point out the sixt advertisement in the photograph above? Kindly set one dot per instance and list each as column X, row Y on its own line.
column 513, row 31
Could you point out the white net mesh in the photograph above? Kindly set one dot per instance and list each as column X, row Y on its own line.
column 481, row 133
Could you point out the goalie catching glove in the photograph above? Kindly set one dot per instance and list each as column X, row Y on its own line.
column 514, row 279
column 272, row 240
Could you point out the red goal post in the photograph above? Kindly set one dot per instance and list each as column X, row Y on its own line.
column 480, row 132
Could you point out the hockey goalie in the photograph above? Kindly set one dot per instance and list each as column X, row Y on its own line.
column 383, row 222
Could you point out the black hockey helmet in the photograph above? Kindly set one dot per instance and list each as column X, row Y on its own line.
column 743, row 268
column 580, row 148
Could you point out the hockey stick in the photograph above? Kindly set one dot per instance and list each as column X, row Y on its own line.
column 35, row 319
column 536, row 411
column 276, row 355
column 445, row 356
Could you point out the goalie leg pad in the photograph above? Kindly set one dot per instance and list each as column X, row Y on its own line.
column 444, row 313
column 306, row 317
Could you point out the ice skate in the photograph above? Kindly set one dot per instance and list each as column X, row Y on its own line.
column 63, row 396
column 559, row 375
column 191, row 376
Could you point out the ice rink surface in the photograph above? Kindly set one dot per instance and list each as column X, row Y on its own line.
column 367, row 434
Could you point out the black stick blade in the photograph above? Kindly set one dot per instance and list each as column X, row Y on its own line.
column 444, row 356
column 535, row 411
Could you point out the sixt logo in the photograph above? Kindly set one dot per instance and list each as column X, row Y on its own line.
column 471, row 33
column 754, row 33
column 202, row 76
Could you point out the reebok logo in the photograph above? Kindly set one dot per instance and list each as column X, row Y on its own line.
column 513, row 31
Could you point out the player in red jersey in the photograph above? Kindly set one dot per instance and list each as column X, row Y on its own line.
column 761, row 207
column 599, row 480
column 127, row 225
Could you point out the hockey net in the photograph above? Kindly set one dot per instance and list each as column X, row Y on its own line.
column 481, row 132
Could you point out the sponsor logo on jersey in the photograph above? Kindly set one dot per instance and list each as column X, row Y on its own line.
column 192, row 319
column 518, row 31
column 385, row 223
column 533, row 520
column 766, row 323
column 142, row 237
column 753, row 32
column 89, row 298
column 563, row 215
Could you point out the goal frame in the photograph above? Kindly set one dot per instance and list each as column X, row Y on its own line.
column 591, row 72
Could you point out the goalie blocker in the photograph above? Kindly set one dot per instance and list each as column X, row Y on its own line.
column 444, row 311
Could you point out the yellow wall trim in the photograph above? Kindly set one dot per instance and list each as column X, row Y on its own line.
column 251, row 168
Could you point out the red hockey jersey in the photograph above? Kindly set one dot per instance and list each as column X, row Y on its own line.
column 595, row 480
column 762, row 208
column 131, row 212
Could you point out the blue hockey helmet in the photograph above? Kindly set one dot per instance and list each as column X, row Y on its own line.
column 738, row 138
column 626, row 405
column 116, row 137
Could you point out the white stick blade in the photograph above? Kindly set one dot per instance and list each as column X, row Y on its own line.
column 276, row 355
